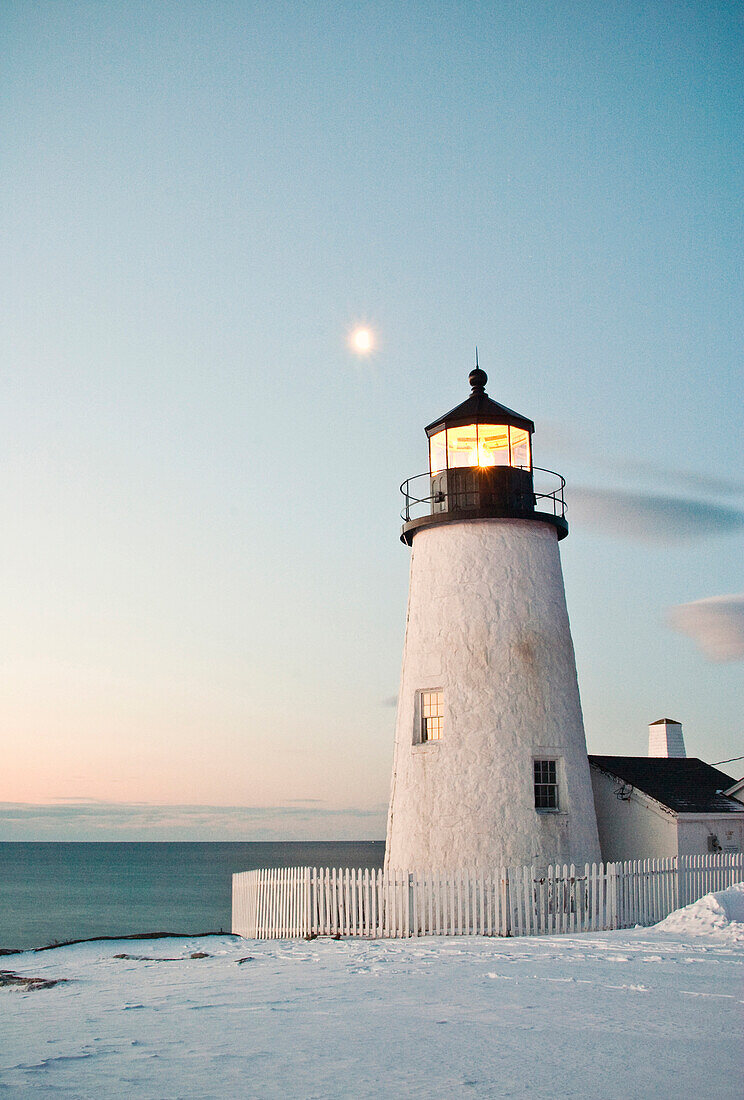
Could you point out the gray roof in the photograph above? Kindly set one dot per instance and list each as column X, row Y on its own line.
column 479, row 408
column 683, row 784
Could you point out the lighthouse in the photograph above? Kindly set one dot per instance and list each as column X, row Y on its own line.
column 490, row 763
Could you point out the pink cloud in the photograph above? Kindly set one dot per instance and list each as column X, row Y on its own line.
column 716, row 624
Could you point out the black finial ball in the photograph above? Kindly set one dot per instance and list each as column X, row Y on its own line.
column 478, row 379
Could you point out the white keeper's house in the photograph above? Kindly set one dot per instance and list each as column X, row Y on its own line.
column 490, row 761
column 664, row 804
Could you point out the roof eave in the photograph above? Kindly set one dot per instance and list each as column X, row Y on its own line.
column 479, row 409
column 460, row 421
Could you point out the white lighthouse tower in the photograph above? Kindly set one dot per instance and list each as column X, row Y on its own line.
column 490, row 764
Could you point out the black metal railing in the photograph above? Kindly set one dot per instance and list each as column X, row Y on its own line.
column 548, row 494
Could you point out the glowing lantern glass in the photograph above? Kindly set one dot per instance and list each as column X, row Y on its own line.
column 479, row 445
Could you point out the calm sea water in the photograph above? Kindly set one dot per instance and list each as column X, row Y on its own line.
column 55, row 892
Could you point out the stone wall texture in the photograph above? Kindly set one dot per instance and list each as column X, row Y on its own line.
column 487, row 624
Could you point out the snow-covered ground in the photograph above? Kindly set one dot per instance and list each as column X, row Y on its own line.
column 647, row 1013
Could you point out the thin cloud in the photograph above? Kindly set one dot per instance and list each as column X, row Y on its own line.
column 390, row 701
column 117, row 811
column 565, row 441
column 715, row 624
column 650, row 517
column 90, row 819
column 699, row 482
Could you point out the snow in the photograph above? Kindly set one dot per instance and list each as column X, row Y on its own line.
column 719, row 915
column 649, row 1012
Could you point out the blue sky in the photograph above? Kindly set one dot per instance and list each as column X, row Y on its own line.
column 204, row 593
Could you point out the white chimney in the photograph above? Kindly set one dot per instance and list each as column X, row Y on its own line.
column 665, row 738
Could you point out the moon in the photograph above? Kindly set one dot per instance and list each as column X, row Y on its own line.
column 362, row 341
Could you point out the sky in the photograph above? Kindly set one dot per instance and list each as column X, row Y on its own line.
column 204, row 593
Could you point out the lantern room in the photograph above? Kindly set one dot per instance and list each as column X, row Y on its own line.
column 479, row 432
column 480, row 467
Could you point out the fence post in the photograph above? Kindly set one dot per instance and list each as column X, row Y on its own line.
column 682, row 881
column 505, row 923
column 306, row 902
column 410, row 905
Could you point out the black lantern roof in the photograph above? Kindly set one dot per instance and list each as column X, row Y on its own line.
column 479, row 409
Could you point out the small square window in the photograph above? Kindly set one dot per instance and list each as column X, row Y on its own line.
column 546, row 785
column 432, row 715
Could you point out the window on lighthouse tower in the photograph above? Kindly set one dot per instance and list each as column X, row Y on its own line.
column 432, row 716
column 546, row 785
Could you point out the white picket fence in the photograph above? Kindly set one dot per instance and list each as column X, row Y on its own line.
column 291, row 902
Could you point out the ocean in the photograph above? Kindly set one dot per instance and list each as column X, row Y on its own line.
column 53, row 892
